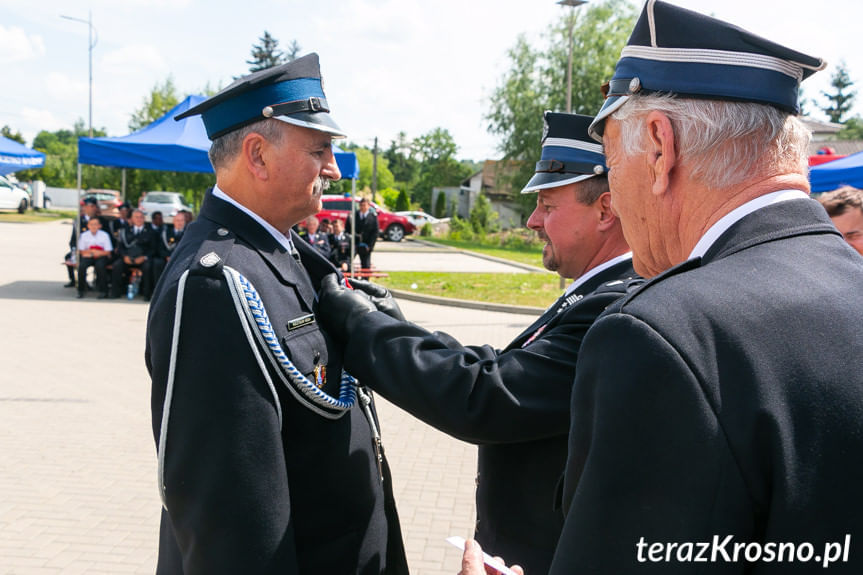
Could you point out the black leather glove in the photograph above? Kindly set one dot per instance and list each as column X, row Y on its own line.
column 380, row 296
column 339, row 307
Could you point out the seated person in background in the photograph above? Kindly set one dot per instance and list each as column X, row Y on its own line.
column 158, row 222
column 165, row 244
column 340, row 246
column 845, row 208
column 89, row 210
column 136, row 249
column 120, row 222
column 94, row 249
column 318, row 239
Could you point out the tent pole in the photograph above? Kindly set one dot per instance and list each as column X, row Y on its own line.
column 123, row 184
column 353, row 223
column 78, row 223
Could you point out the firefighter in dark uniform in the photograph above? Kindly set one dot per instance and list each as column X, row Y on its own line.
column 513, row 403
column 135, row 250
column 90, row 209
column 166, row 242
column 269, row 455
column 717, row 411
column 367, row 232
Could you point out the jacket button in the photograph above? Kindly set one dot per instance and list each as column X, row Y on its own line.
column 317, row 357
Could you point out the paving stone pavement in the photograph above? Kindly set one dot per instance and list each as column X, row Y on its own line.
column 78, row 480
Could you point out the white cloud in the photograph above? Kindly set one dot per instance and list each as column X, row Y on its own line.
column 17, row 46
column 133, row 60
column 32, row 121
column 62, row 87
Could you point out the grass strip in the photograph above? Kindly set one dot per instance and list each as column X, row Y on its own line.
column 537, row 290
column 31, row 216
column 526, row 255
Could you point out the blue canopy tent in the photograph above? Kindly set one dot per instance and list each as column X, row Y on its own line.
column 172, row 146
column 847, row 171
column 15, row 156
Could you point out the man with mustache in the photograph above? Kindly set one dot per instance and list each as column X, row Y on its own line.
column 269, row 459
column 513, row 403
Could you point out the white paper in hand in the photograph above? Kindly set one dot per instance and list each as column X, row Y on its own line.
column 459, row 542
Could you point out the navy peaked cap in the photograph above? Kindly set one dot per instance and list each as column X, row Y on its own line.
column 568, row 153
column 676, row 51
column 291, row 92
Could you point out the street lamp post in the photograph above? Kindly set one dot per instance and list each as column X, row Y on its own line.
column 91, row 44
column 572, row 4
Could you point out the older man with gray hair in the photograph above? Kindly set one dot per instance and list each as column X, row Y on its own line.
column 717, row 411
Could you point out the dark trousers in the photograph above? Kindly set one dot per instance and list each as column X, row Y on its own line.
column 365, row 253
column 119, row 282
column 101, row 267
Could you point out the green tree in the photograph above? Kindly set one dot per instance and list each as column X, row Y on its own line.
column 365, row 158
column 841, row 98
column 436, row 152
column 402, row 164
column 482, row 218
column 161, row 99
column 7, row 132
column 293, row 51
column 440, row 205
column 266, row 54
column 536, row 80
column 852, row 130
column 403, row 203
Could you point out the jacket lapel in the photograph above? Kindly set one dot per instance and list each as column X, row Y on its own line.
column 610, row 274
column 278, row 259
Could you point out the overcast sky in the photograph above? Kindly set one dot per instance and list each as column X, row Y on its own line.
column 388, row 65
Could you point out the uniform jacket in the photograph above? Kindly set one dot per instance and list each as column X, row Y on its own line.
column 367, row 228
column 724, row 397
column 167, row 241
column 340, row 248
column 243, row 493
column 514, row 403
column 142, row 244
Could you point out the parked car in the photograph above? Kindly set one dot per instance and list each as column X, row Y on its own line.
column 109, row 201
column 169, row 203
column 12, row 197
column 419, row 219
column 392, row 226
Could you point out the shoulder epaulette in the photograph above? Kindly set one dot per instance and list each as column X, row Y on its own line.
column 214, row 251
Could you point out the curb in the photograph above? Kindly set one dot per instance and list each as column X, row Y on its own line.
column 469, row 304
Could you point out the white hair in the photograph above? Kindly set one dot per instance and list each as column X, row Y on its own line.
column 723, row 143
column 225, row 148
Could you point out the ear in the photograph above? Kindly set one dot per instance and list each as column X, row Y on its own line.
column 661, row 155
column 606, row 216
column 254, row 155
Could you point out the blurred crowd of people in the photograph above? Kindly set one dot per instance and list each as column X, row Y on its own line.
column 127, row 253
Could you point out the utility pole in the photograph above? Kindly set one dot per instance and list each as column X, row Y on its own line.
column 571, row 19
column 375, row 169
column 91, row 43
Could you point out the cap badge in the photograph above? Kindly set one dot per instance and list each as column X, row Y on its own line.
column 634, row 85
column 598, row 170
